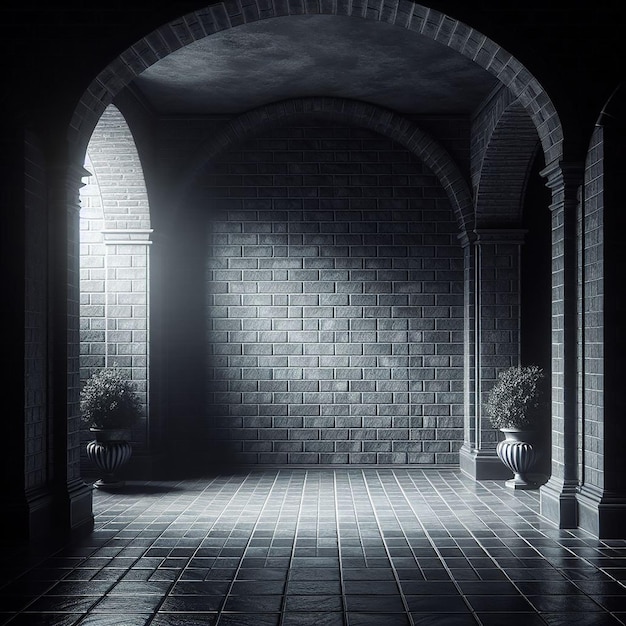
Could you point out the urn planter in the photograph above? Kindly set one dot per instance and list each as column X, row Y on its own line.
column 110, row 404
column 517, row 452
column 110, row 450
column 513, row 406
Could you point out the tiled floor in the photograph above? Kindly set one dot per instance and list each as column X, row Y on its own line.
column 321, row 547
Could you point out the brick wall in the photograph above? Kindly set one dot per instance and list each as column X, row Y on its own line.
column 334, row 301
column 591, row 318
column 35, row 323
column 92, row 278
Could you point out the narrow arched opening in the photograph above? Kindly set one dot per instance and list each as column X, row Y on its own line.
column 115, row 264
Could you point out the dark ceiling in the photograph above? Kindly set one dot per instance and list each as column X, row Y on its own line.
column 314, row 55
column 51, row 52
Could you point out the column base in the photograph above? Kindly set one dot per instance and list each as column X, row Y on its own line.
column 78, row 505
column 45, row 518
column 557, row 501
column 603, row 514
column 482, row 464
column 30, row 517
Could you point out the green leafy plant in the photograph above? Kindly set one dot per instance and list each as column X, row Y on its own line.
column 109, row 400
column 514, row 399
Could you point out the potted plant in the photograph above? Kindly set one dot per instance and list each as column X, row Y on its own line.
column 513, row 407
column 109, row 403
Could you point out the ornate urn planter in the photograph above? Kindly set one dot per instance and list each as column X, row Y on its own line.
column 110, row 450
column 513, row 407
column 110, row 405
column 518, row 454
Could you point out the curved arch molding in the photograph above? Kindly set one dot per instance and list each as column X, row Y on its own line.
column 371, row 117
column 422, row 20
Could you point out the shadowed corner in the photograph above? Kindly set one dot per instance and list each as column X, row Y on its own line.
column 203, row 452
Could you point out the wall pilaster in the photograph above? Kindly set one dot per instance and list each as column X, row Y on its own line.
column 492, row 329
column 127, row 322
column 602, row 493
column 558, row 495
column 73, row 497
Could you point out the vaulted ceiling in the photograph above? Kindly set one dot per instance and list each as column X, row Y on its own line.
column 270, row 60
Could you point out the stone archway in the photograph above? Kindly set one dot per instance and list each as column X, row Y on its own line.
column 385, row 122
column 493, row 258
column 422, row 20
column 563, row 179
column 115, row 260
column 504, row 168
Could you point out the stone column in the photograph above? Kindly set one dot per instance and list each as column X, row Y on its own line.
column 602, row 494
column 492, row 341
column 73, row 496
column 558, row 495
column 28, row 499
column 469, row 451
column 127, row 319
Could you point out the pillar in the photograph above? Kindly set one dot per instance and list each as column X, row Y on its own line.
column 492, row 338
column 558, row 495
column 127, row 326
column 602, row 310
column 72, row 496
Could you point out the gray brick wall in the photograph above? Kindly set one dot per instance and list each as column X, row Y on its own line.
column 591, row 319
column 334, row 282
column 35, row 322
column 92, row 275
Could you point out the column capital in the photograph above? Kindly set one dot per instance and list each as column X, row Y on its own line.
column 561, row 174
column 66, row 180
column 69, row 174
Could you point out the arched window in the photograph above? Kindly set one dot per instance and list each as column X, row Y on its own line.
column 115, row 259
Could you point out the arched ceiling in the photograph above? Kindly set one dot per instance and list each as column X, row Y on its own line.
column 270, row 60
